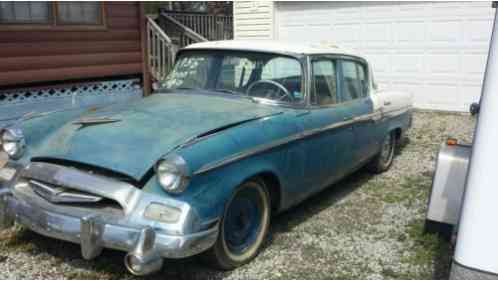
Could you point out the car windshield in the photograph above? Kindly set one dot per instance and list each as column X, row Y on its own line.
column 256, row 75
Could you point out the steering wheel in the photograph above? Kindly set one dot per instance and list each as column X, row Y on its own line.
column 272, row 95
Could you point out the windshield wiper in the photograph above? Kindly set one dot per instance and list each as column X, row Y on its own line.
column 227, row 91
column 186, row 88
column 240, row 94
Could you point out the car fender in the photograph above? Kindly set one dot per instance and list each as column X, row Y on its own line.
column 208, row 193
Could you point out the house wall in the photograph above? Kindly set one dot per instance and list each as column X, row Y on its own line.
column 253, row 20
column 435, row 50
column 39, row 55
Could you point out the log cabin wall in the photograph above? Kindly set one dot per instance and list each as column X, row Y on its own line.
column 45, row 54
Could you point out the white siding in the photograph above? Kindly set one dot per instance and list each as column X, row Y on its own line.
column 253, row 20
column 437, row 51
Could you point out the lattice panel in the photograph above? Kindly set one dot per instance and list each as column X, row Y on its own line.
column 17, row 102
column 106, row 88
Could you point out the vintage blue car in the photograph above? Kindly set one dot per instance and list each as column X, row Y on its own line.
column 238, row 131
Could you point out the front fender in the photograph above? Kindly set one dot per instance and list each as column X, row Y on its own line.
column 207, row 193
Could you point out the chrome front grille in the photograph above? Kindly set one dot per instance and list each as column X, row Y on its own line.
column 58, row 194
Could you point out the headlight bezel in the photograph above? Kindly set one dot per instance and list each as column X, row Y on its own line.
column 14, row 137
column 172, row 173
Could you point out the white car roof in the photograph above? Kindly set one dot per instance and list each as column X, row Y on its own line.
column 273, row 47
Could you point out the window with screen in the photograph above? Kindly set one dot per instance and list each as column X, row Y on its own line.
column 324, row 82
column 51, row 14
column 25, row 12
column 79, row 13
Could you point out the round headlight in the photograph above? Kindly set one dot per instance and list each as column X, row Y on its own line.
column 13, row 142
column 172, row 174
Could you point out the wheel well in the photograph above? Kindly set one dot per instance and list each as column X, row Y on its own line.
column 397, row 133
column 273, row 186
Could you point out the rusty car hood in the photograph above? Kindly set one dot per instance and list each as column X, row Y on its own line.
column 130, row 138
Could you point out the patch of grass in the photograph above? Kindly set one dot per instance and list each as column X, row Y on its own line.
column 426, row 251
column 17, row 238
column 405, row 192
column 390, row 273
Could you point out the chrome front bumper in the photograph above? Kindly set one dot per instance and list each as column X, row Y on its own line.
column 146, row 242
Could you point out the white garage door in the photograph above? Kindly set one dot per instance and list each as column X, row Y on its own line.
column 437, row 51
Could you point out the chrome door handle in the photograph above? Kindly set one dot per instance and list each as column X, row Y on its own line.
column 387, row 103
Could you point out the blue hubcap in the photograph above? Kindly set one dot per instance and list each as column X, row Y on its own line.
column 243, row 220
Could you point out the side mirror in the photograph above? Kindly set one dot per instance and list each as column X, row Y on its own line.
column 474, row 108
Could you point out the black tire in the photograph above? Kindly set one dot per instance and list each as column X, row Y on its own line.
column 384, row 159
column 227, row 254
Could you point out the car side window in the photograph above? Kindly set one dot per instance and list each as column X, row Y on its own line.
column 324, row 82
column 287, row 72
column 351, row 88
column 363, row 79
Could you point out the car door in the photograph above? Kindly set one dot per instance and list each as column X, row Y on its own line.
column 328, row 137
column 355, row 96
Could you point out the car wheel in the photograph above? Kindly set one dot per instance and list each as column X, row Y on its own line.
column 243, row 228
column 384, row 159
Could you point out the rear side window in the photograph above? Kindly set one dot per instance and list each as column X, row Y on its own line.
column 350, row 81
column 362, row 75
column 354, row 80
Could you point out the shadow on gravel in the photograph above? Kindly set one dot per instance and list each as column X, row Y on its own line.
column 298, row 214
column 109, row 265
column 442, row 260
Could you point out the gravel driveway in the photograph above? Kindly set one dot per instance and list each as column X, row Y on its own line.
column 365, row 227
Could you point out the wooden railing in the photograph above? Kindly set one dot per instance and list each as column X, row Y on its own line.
column 161, row 50
column 181, row 34
column 170, row 31
column 211, row 27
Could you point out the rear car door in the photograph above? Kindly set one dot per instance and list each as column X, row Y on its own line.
column 354, row 94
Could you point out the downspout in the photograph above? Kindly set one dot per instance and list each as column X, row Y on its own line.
column 477, row 241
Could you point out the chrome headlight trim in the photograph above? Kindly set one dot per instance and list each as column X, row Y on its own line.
column 172, row 173
column 13, row 142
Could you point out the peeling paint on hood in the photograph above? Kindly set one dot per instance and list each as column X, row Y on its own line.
column 147, row 129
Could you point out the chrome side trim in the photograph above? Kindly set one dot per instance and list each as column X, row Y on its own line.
column 375, row 116
column 246, row 153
